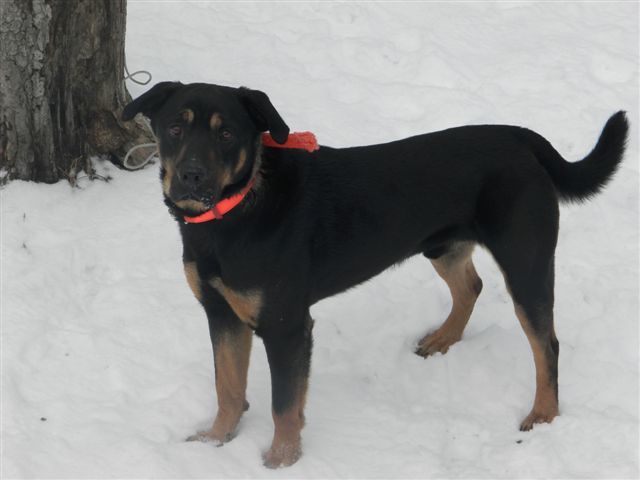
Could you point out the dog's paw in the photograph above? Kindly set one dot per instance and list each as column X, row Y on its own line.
column 223, row 430
column 282, row 455
column 537, row 417
column 208, row 436
column 435, row 342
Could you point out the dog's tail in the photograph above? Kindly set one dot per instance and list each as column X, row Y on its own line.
column 579, row 181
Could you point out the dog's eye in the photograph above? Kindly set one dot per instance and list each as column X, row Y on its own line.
column 175, row 130
column 225, row 135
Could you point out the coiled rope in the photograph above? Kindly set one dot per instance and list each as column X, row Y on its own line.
column 126, row 161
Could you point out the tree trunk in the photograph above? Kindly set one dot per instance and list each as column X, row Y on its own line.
column 61, row 88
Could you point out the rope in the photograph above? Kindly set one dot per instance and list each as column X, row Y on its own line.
column 131, row 76
column 125, row 161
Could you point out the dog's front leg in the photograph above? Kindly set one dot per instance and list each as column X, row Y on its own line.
column 231, row 350
column 289, row 355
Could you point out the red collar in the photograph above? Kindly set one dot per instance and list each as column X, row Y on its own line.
column 303, row 140
column 223, row 206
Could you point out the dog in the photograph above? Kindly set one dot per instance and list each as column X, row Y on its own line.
column 267, row 232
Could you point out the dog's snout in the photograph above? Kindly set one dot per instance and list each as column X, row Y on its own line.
column 192, row 175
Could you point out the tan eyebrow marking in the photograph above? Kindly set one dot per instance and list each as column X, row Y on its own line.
column 187, row 115
column 215, row 121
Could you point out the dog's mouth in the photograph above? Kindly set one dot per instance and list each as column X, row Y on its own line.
column 194, row 203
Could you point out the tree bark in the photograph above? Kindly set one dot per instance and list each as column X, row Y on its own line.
column 61, row 87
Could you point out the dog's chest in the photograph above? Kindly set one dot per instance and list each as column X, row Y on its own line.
column 246, row 303
column 232, row 278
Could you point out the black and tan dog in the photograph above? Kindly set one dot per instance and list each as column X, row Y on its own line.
column 302, row 226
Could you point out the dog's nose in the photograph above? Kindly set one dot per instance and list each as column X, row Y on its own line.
column 192, row 176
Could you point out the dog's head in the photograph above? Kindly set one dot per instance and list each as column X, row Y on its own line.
column 208, row 138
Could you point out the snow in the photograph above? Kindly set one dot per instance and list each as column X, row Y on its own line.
column 106, row 361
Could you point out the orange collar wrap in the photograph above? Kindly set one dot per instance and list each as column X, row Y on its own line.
column 302, row 140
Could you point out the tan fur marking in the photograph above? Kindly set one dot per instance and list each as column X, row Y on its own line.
column 225, row 177
column 545, row 404
column 193, row 279
column 242, row 159
column 457, row 270
column 215, row 121
column 231, row 355
column 187, row 115
column 170, row 169
column 192, row 205
column 168, row 176
column 286, row 448
column 223, row 173
column 246, row 305
column 232, row 363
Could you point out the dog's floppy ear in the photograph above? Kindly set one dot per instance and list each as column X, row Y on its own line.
column 150, row 101
column 263, row 113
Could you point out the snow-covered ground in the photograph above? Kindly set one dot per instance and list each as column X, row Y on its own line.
column 106, row 361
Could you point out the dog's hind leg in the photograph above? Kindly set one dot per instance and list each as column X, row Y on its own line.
column 524, row 249
column 538, row 326
column 533, row 301
column 457, row 270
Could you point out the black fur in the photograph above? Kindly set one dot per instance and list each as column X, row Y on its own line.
column 319, row 223
column 582, row 180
